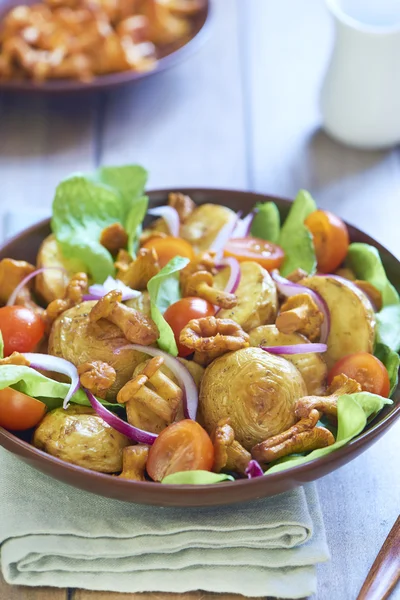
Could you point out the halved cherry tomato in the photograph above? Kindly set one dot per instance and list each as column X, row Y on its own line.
column 180, row 313
column 365, row 368
column 183, row 446
column 21, row 329
column 19, row 411
column 268, row 255
column 169, row 247
column 330, row 237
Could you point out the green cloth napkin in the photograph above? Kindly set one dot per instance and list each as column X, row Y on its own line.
column 52, row 534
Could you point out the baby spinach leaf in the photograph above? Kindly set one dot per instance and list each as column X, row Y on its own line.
column 266, row 223
column 134, row 222
column 391, row 360
column 365, row 262
column 353, row 412
column 164, row 290
column 295, row 239
column 388, row 326
column 196, row 478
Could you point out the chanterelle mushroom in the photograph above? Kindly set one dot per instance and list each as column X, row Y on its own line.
column 137, row 273
column 228, row 453
column 200, row 284
column 97, row 376
column 327, row 405
column 134, row 460
column 114, row 238
column 76, row 287
column 300, row 314
column 12, row 273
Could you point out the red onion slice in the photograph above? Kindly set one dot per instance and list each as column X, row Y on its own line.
column 288, row 288
column 170, row 216
column 190, row 395
column 223, row 236
column 98, row 290
column 58, row 365
column 253, row 469
column 234, row 277
column 295, row 349
column 243, row 226
column 22, row 284
column 131, row 432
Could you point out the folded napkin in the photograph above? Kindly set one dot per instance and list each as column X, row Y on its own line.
column 54, row 535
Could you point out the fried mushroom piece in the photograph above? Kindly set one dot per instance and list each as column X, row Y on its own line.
column 79, row 436
column 304, row 436
column 200, row 284
column 134, row 459
column 228, row 453
column 300, row 314
column 76, row 287
column 136, row 327
column 15, row 359
column 97, row 377
column 12, row 273
column 183, row 205
column 137, row 273
column 151, row 397
column 327, row 405
column 114, row 238
column 210, row 337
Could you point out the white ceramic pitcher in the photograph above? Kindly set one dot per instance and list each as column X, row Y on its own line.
column 360, row 99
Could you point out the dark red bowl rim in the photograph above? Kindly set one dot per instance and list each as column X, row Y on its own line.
column 158, row 196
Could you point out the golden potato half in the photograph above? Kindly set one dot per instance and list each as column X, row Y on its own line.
column 203, row 225
column 255, row 389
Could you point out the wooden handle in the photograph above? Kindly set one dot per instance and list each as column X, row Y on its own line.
column 385, row 572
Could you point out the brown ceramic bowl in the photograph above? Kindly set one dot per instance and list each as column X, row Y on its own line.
column 168, row 56
column 25, row 246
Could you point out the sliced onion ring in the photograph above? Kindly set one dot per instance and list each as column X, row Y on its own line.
column 170, row 216
column 98, row 290
column 234, row 276
column 288, row 288
column 131, row 432
column 224, row 235
column 243, row 226
column 295, row 349
column 47, row 362
column 190, row 395
column 253, row 469
column 22, row 284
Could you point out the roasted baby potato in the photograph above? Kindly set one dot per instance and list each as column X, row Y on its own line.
column 352, row 317
column 79, row 436
column 312, row 366
column 52, row 284
column 76, row 339
column 257, row 300
column 253, row 388
column 203, row 225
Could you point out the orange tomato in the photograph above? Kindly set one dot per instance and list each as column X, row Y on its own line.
column 21, row 329
column 268, row 255
column 19, row 411
column 365, row 368
column 180, row 313
column 169, row 247
column 183, row 446
column 330, row 237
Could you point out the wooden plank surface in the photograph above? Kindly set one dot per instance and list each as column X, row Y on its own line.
column 87, row 595
column 19, row 592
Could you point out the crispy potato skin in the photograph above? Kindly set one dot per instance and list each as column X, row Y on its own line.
column 76, row 339
column 312, row 366
column 253, row 388
column 78, row 436
column 352, row 317
column 52, row 284
column 256, row 294
column 203, row 225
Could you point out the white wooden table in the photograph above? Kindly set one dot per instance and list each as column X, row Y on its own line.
column 242, row 113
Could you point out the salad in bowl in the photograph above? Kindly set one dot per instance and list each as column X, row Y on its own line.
column 191, row 344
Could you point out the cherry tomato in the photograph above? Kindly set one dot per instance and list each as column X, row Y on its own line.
column 331, row 239
column 183, row 446
column 169, row 247
column 180, row 313
column 268, row 255
column 19, row 411
column 365, row 368
column 21, row 329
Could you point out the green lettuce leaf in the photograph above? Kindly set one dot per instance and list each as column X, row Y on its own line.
column 388, row 326
column 391, row 360
column 85, row 204
column 353, row 412
column 1, row 346
column 196, row 478
column 295, row 239
column 164, row 290
column 35, row 384
column 267, row 222
column 364, row 260
column 133, row 225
